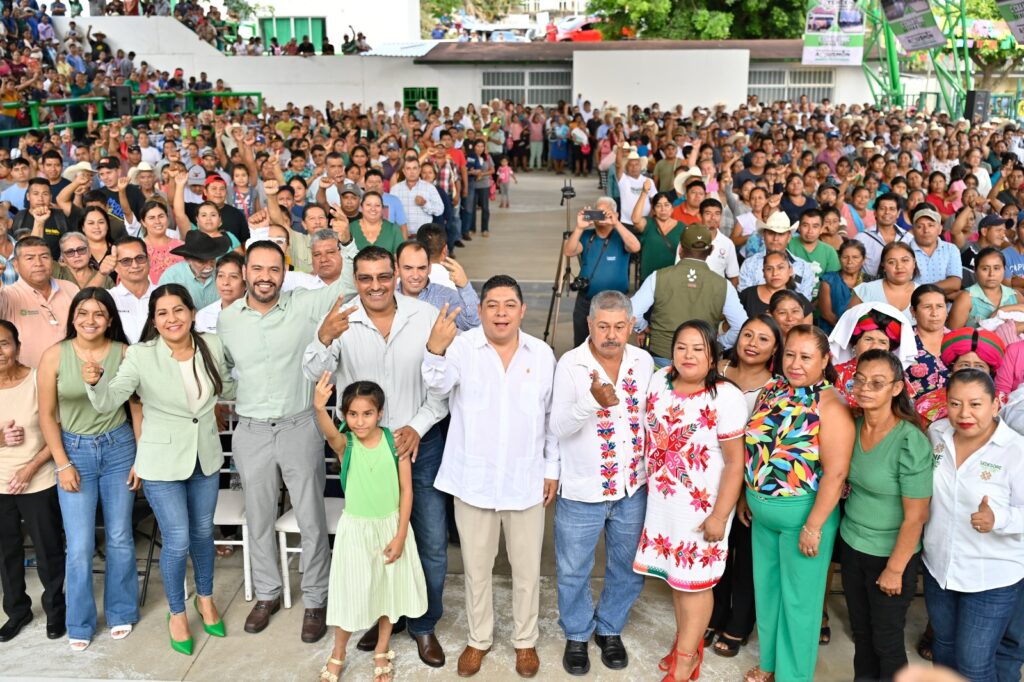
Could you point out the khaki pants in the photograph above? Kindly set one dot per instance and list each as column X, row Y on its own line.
column 479, row 530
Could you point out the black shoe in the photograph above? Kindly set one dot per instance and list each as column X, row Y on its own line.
column 55, row 630
column 460, row 244
column 368, row 642
column 12, row 627
column 613, row 651
column 466, row 237
column 575, row 659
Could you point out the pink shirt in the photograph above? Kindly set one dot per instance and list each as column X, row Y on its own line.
column 40, row 322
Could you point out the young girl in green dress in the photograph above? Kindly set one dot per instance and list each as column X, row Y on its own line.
column 376, row 575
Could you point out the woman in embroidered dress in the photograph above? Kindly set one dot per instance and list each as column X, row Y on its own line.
column 798, row 447
column 694, row 472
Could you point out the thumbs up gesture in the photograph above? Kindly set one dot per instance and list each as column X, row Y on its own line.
column 109, row 262
column 984, row 519
column 91, row 372
column 604, row 394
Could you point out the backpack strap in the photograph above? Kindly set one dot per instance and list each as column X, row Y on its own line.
column 349, row 439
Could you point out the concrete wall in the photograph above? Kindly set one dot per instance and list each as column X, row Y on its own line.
column 666, row 76
column 168, row 45
column 851, row 85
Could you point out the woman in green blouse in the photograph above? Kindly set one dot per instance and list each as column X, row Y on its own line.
column 659, row 233
column 372, row 229
column 880, row 535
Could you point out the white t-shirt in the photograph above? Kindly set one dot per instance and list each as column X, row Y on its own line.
column 630, row 190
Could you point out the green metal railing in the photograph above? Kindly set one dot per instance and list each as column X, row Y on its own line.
column 102, row 102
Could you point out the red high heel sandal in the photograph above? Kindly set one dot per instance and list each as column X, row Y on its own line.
column 676, row 655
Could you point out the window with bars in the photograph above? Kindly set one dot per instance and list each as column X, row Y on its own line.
column 530, row 87
column 771, row 85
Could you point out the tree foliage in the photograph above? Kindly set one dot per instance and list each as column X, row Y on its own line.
column 993, row 60
column 704, row 19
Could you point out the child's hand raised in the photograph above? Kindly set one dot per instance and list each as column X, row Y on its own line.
column 394, row 550
column 323, row 391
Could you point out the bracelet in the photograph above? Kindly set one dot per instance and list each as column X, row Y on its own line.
column 66, row 466
column 813, row 534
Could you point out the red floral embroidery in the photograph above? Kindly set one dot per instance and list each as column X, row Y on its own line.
column 662, row 546
column 700, row 499
column 711, row 554
column 686, row 554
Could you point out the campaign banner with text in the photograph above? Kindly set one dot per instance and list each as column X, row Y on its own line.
column 1013, row 12
column 914, row 24
column 834, row 34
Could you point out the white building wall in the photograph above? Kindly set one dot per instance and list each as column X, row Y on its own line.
column 693, row 77
column 852, row 85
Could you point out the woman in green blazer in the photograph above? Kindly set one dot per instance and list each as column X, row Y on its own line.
column 178, row 375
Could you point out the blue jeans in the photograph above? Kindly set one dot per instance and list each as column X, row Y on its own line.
column 103, row 463
column 968, row 626
column 468, row 209
column 429, row 522
column 578, row 527
column 184, row 512
column 454, row 228
column 1010, row 654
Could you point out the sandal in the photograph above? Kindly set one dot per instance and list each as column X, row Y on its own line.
column 709, row 637
column 386, row 670
column 730, row 646
column 224, row 551
column 924, row 644
column 666, row 661
column 825, row 636
column 326, row 675
column 755, row 674
column 78, row 645
column 120, row 631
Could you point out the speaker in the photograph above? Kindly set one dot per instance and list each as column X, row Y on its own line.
column 120, row 101
column 976, row 108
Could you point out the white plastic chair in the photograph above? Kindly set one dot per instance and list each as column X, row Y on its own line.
column 288, row 523
column 230, row 511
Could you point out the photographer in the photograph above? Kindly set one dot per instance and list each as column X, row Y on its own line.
column 603, row 245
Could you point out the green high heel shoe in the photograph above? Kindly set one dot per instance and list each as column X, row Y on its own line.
column 184, row 647
column 215, row 630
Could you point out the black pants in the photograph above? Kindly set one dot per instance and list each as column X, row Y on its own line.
column 580, row 331
column 41, row 514
column 877, row 620
column 483, row 201
column 734, row 594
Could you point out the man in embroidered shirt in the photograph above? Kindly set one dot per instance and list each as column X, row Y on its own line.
column 420, row 199
column 597, row 411
column 500, row 461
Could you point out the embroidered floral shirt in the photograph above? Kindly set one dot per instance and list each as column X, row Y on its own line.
column 601, row 449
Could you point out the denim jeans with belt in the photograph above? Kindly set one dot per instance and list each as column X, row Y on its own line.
column 429, row 523
column 968, row 626
column 184, row 512
column 578, row 527
column 103, row 463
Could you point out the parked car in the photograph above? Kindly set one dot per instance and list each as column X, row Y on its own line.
column 580, row 30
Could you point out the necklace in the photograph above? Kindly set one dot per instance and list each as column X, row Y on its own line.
column 91, row 356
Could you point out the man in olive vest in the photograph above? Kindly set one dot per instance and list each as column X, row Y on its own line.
column 688, row 290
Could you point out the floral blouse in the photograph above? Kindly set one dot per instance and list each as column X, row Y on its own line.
column 926, row 379
column 782, row 440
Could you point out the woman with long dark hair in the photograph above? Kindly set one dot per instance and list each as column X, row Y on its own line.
column 178, row 375
column 94, row 452
column 694, row 470
column 798, row 446
column 751, row 364
column 890, row 483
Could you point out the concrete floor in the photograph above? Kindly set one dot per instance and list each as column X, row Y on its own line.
column 525, row 243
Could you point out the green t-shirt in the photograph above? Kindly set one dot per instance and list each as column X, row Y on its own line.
column 899, row 466
column 657, row 250
column 390, row 236
column 823, row 259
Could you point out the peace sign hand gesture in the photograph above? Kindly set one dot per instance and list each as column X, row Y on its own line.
column 444, row 331
column 324, row 389
column 335, row 324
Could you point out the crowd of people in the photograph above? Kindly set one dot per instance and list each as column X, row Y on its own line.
column 820, row 363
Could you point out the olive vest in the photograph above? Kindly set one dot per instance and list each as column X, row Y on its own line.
column 688, row 290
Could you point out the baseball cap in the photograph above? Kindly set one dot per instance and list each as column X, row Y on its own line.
column 993, row 220
column 349, row 187
column 134, row 148
column 109, row 163
column 209, row 152
column 215, row 177
column 926, row 210
column 197, row 175
column 696, row 237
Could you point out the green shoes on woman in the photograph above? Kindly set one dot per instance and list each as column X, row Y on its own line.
column 215, row 630
column 184, row 647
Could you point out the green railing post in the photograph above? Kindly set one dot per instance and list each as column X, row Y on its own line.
column 33, row 113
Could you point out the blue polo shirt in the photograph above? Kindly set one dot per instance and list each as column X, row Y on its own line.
column 605, row 262
column 1014, row 262
column 944, row 262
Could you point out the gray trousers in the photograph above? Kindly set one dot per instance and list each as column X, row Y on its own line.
column 295, row 447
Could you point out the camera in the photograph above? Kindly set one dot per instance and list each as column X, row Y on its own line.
column 580, row 283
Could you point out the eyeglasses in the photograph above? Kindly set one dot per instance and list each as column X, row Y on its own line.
column 872, row 385
column 383, row 278
column 80, row 251
column 141, row 259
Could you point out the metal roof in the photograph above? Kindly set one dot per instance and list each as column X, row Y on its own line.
column 455, row 52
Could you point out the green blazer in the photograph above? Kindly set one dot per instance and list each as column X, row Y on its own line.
column 172, row 435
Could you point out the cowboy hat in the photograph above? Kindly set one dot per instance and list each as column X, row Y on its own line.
column 679, row 182
column 778, row 222
column 72, row 171
column 201, row 246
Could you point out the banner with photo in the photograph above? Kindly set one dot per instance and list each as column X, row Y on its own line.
column 1013, row 12
column 914, row 24
column 834, row 33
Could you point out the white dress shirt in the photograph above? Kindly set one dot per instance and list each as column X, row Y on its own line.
column 601, row 451
column 415, row 214
column 132, row 311
column 440, row 275
column 499, row 449
column 362, row 353
column 959, row 557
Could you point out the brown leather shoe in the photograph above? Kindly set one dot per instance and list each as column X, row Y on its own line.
column 469, row 661
column 259, row 618
column 368, row 642
column 430, row 649
column 527, row 663
column 314, row 625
